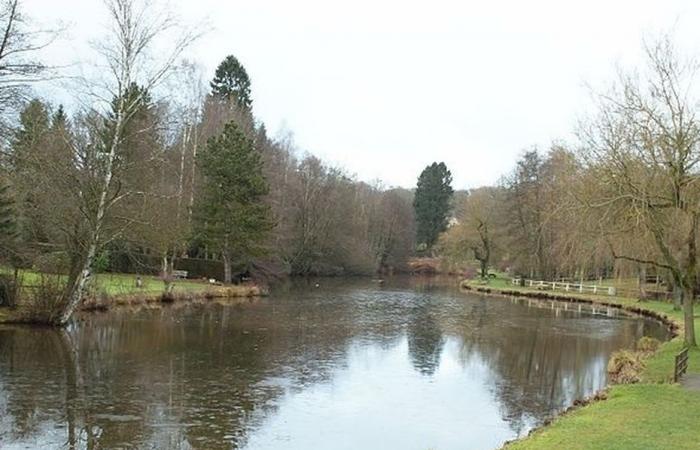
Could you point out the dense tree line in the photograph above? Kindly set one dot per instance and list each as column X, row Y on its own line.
column 161, row 171
column 622, row 201
column 160, row 167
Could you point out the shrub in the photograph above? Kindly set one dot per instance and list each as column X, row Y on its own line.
column 44, row 298
column 648, row 344
column 624, row 367
column 102, row 262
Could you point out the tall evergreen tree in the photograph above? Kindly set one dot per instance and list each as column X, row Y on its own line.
column 8, row 226
column 30, row 137
column 231, row 82
column 61, row 137
column 432, row 203
column 8, row 245
column 59, row 120
column 28, row 152
column 232, row 217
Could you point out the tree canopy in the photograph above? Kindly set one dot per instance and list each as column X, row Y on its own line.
column 432, row 203
column 231, row 215
column 231, row 82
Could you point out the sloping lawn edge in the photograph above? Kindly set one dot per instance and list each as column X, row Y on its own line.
column 653, row 414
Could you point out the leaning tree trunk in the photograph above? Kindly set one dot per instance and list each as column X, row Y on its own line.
column 77, row 290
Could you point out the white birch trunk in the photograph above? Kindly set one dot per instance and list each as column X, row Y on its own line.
column 80, row 285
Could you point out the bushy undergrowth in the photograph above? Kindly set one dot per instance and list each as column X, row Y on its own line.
column 625, row 367
column 648, row 345
column 43, row 298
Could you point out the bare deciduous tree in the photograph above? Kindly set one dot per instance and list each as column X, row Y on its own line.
column 644, row 149
column 127, row 52
column 19, row 44
column 476, row 234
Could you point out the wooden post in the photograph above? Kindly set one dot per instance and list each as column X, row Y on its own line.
column 681, row 365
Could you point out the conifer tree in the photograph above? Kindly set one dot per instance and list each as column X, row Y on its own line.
column 232, row 217
column 8, row 225
column 231, row 82
column 432, row 203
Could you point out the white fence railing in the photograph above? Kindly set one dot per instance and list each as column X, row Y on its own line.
column 566, row 286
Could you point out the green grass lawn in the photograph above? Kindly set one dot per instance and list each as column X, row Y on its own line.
column 39, row 292
column 654, row 414
column 634, row 417
column 122, row 284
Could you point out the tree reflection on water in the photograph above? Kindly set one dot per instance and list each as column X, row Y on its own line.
column 231, row 374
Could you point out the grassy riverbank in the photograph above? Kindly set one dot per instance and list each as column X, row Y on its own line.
column 121, row 290
column 116, row 290
column 653, row 414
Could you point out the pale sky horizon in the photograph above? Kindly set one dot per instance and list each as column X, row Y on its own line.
column 383, row 88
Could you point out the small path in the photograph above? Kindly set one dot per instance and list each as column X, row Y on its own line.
column 691, row 382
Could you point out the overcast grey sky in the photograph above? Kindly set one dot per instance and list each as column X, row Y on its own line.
column 384, row 87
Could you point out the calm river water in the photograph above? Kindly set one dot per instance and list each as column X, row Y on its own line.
column 410, row 364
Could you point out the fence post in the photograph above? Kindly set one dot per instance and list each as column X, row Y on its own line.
column 681, row 365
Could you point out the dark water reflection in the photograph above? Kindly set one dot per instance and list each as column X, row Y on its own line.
column 350, row 365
